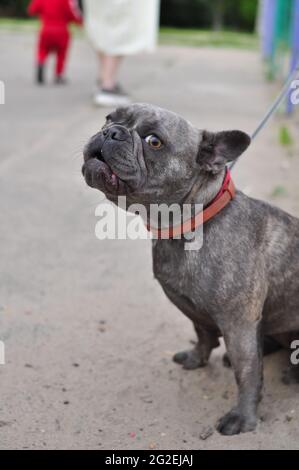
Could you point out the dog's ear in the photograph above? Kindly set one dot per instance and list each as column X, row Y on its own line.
column 217, row 149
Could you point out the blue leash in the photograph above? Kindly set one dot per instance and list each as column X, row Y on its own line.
column 293, row 76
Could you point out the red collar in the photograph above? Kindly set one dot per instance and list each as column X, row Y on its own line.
column 223, row 198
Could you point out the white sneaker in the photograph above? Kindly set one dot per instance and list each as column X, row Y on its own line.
column 111, row 98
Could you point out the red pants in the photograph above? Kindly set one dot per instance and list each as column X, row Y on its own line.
column 53, row 41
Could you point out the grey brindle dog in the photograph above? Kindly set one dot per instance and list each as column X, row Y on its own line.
column 243, row 284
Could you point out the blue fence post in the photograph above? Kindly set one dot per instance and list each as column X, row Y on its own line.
column 268, row 27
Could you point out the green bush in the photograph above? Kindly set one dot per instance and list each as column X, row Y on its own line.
column 15, row 8
column 236, row 14
column 186, row 13
column 241, row 14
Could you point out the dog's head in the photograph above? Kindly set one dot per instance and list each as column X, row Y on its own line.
column 154, row 156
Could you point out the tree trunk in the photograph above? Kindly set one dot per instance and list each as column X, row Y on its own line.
column 218, row 14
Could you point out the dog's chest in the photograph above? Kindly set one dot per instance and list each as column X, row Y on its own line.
column 180, row 274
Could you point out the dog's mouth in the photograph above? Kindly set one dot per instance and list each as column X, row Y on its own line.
column 98, row 174
column 111, row 163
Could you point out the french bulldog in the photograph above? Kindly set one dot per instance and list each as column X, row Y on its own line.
column 243, row 284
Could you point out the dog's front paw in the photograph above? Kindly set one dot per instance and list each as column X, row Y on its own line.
column 190, row 359
column 234, row 423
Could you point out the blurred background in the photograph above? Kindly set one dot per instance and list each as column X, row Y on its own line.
column 240, row 15
column 88, row 333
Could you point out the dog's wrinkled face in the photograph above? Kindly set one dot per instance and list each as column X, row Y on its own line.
column 154, row 156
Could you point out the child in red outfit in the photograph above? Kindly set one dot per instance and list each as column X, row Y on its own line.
column 54, row 35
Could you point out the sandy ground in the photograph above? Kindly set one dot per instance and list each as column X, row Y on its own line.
column 89, row 334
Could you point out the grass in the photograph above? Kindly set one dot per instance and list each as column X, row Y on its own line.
column 168, row 36
column 20, row 24
column 16, row 24
column 285, row 137
column 205, row 38
column 279, row 191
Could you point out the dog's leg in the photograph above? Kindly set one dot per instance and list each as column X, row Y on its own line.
column 244, row 346
column 199, row 355
column 270, row 346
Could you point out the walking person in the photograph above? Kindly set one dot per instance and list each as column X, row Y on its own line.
column 118, row 28
column 54, row 35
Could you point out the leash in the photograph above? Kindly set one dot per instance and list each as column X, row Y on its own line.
column 293, row 76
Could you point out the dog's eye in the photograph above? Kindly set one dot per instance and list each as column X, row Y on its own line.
column 153, row 141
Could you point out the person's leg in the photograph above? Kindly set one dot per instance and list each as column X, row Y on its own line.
column 42, row 53
column 110, row 93
column 61, row 56
column 109, row 67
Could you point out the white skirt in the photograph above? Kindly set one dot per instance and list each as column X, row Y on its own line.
column 122, row 27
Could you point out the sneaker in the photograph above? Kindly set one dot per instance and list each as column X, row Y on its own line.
column 111, row 98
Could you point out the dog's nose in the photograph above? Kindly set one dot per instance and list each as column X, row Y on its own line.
column 116, row 133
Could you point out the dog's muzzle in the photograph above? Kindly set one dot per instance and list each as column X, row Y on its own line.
column 110, row 164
